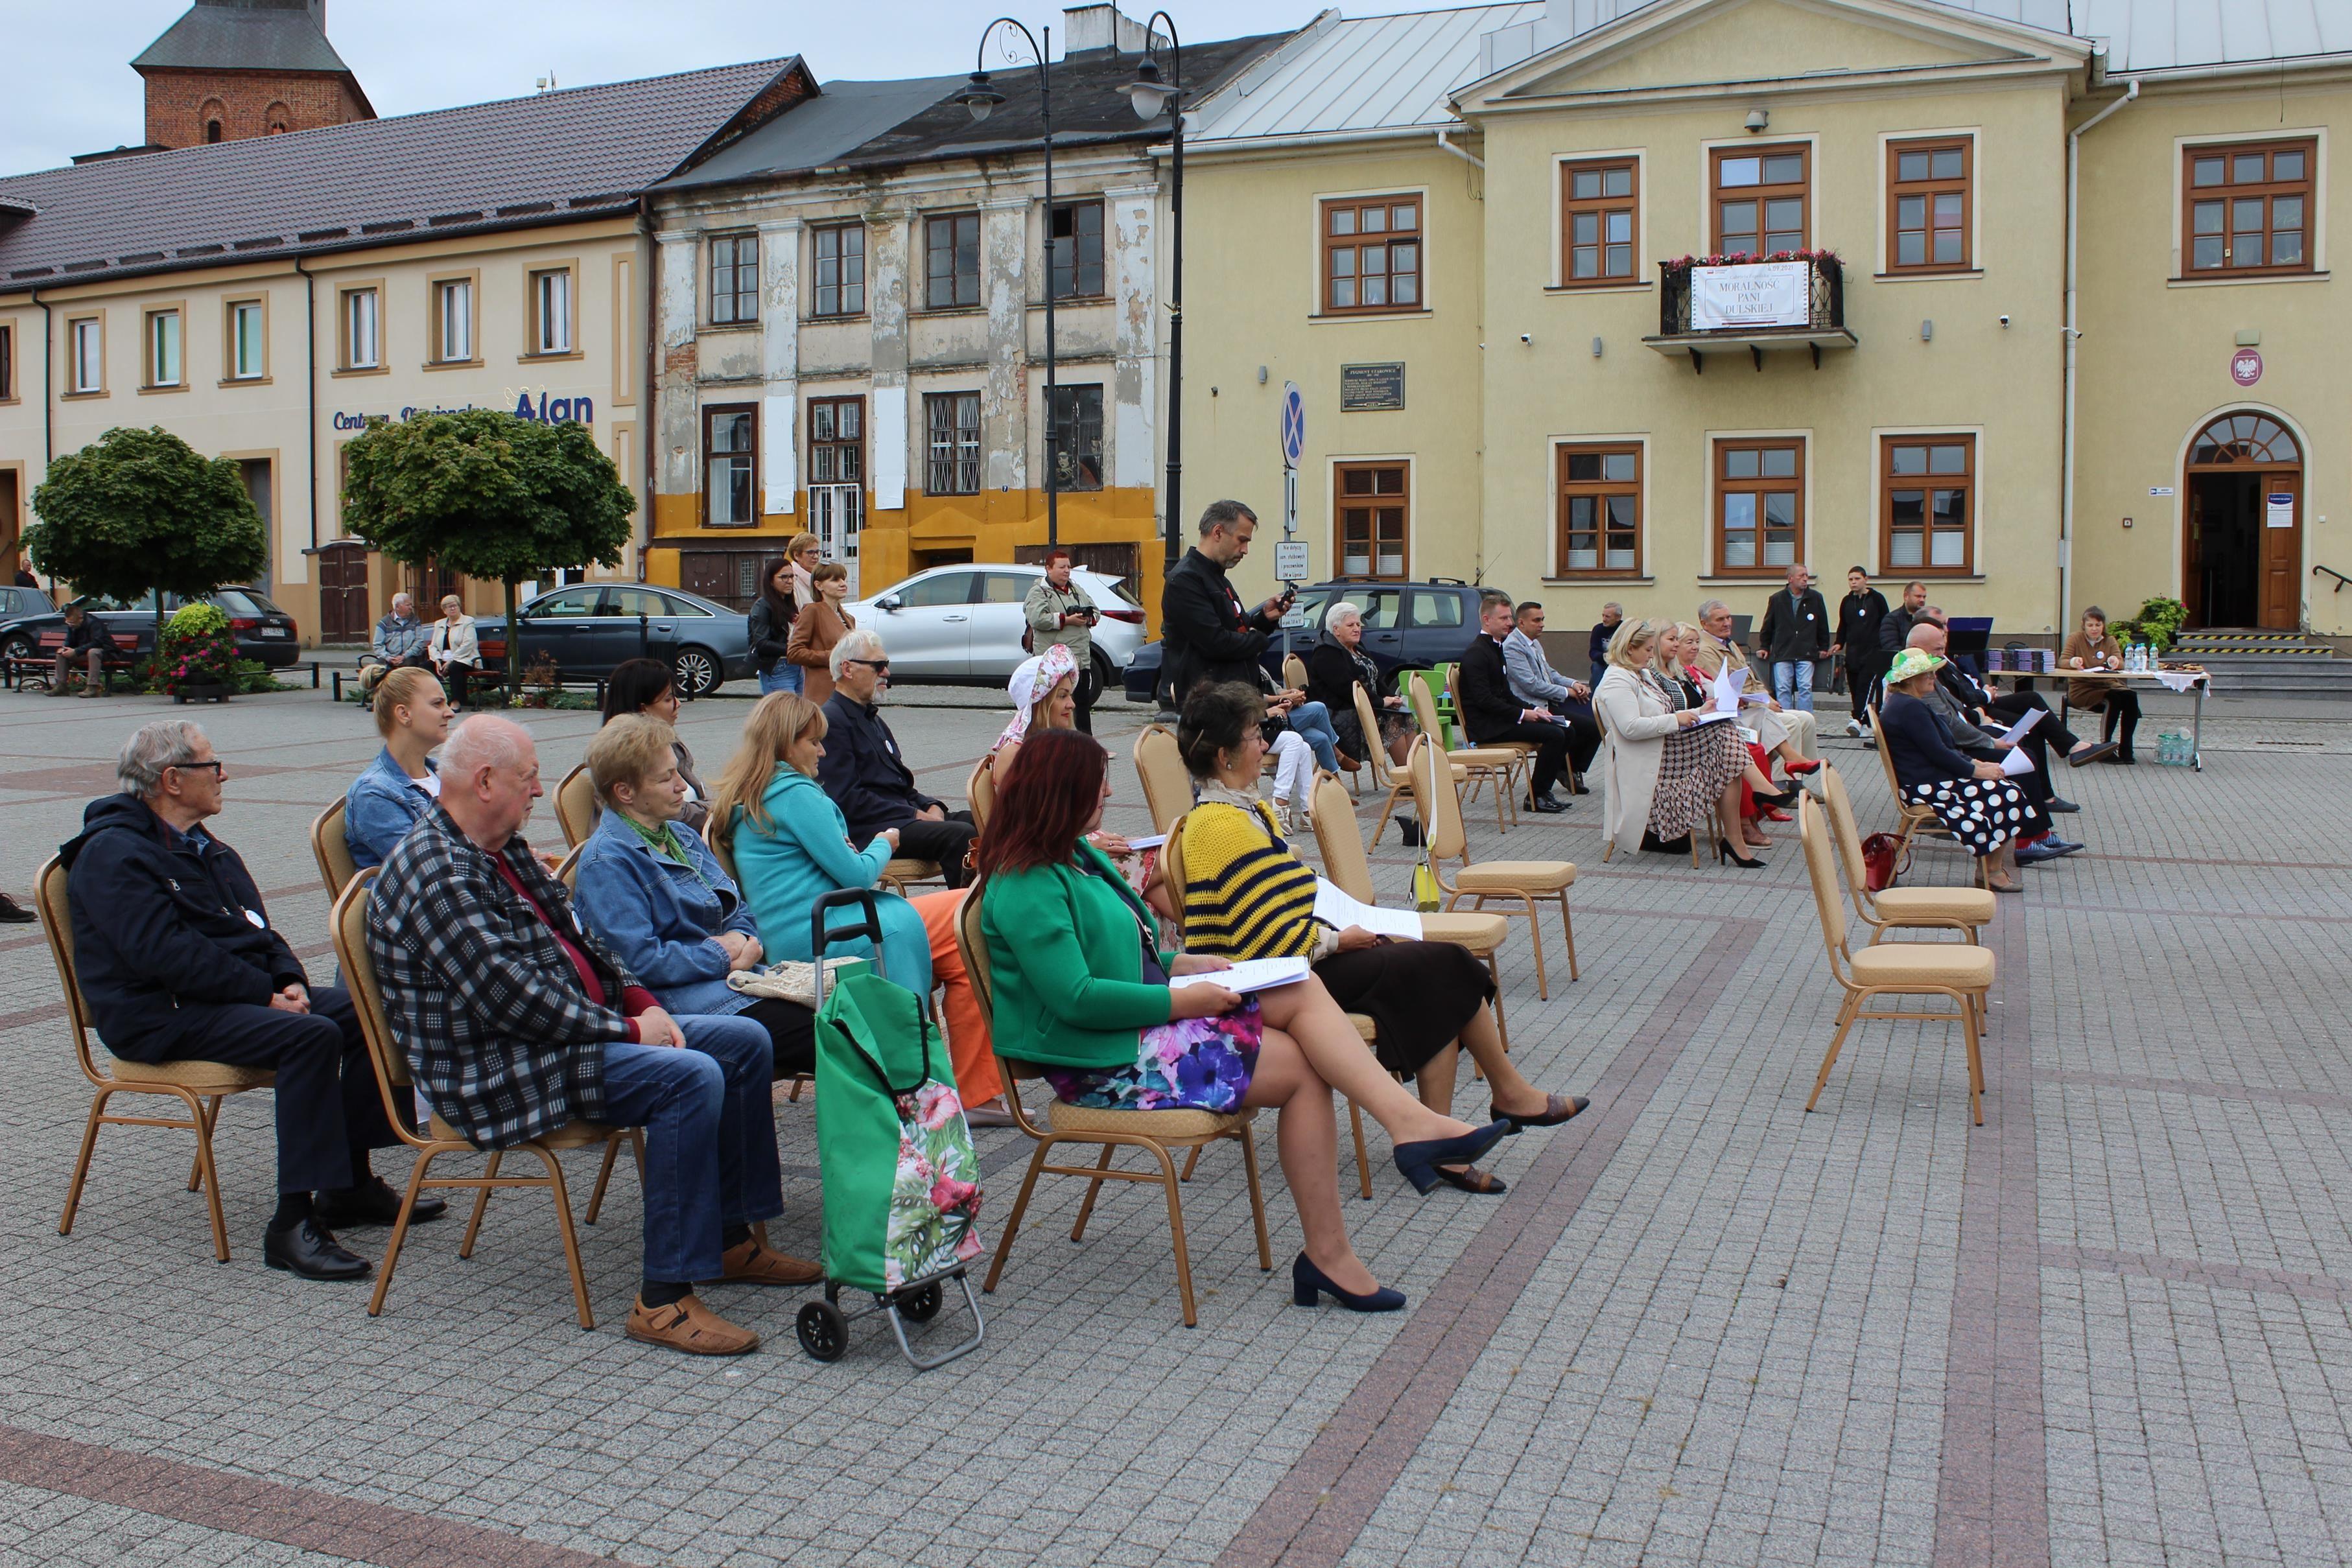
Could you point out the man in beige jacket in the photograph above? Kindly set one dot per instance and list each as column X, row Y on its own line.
column 1789, row 733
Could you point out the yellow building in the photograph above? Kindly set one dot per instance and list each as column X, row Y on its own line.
column 263, row 298
column 853, row 326
column 1487, row 245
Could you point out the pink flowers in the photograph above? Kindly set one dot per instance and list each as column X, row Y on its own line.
column 936, row 1105
column 948, row 1195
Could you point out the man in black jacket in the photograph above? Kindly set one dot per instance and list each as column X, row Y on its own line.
column 1490, row 713
column 1204, row 633
column 1859, row 618
column 1795, row 634
column 179, row 963
column 866, row 776
column 1894, row 633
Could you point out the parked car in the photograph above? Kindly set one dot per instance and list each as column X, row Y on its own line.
column 960, row 625
column 590, row 628
column 263, row 630
column 17, row 602
column 1407, row 625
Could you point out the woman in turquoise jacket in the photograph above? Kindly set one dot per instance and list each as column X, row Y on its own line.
column 791, row 847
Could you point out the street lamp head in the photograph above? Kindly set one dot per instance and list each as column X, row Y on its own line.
column 979, row 96
column 1147, row 93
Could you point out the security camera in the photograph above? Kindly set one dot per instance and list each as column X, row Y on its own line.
column 1527, row 337
column 2004, row 321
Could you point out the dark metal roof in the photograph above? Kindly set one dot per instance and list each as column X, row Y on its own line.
column 578, row 152
column 244, row 35
column 873, row 125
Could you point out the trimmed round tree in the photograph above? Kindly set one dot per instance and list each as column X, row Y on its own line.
column 488, row 495
column 140, row 512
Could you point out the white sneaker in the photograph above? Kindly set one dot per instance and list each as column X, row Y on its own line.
column 1853, row 727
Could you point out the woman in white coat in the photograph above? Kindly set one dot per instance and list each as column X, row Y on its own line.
column 1664, row 772
column 455, row 651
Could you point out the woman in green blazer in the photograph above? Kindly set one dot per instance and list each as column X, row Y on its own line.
column 1081, row 989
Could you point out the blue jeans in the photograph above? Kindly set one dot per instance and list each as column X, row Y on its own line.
column 784, row 676
column 1792, row 684
column 1312, row 721
column 711, row 1138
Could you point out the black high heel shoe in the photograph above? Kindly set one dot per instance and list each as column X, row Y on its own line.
column 1309, row 1284
column 1781, row 801
column 1419, row 1162
column 1724, row 852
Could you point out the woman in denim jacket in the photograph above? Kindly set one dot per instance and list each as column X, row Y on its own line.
column 412, row 713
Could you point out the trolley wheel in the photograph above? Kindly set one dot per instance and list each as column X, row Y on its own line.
column 823, row 1332
column 921, row 1306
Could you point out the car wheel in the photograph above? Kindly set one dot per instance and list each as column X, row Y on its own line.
column 1107, row 679
column 698, row 672
column 20, row 646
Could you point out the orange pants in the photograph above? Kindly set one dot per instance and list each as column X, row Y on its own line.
column 967, row 1043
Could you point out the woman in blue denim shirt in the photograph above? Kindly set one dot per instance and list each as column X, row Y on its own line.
column 651, row 889
column 412, row 714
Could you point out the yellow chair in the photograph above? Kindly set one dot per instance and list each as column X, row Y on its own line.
column 392, row 1082
column 1523, row 881
column 1963, row 909
column 1911, row 819
column 1155, row 1131
column 1294, row 673
column 1383, row 776
column 1961, row 971
column 201, row 1086
column 980, row 789
column 332, row 850
column 1485, row 764
column 1167, row 786
column 575, row 807
column 1349, row 867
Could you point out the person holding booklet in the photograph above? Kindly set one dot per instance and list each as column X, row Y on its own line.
column 1083, row 989
column 1669, row 763
column 1972, row 797
column 1247, row 895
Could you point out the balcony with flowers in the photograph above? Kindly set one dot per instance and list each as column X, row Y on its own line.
column 1787, row 299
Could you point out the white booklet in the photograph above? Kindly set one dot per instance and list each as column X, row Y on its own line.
column 2016, row 732
column 1336, row 907
column 1728, row 681
column 1249, row 975
column 2013, row 763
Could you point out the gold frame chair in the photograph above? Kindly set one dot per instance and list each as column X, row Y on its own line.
column 201, row 1086
column 1960, row 971
column 1483, row 764
column 1963, row 909
column 392, row 1082
column 332, row 850
column 1525, row 881
column 1167, row 786
column 1386, row 775
column 1155, row 1131
column 575, row 806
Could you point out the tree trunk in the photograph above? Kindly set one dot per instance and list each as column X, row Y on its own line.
column 155, row 655
column 514, row 650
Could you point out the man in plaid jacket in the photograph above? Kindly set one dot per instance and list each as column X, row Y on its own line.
column 516, row 1020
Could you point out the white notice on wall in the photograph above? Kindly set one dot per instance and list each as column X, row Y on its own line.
column 1759, row 294
column 2280, row 513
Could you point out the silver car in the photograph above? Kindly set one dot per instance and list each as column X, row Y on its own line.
column 960, row 625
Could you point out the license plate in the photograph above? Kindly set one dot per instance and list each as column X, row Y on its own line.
column 273, row 630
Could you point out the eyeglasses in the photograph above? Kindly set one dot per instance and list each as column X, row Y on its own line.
column 869, row 664
column 216, row 765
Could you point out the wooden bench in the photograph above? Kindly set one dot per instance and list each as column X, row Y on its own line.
column 122, row 658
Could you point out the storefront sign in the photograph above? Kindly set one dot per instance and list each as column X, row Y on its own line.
column 2246, row 367
column 1370, row 388
column 1761, row 294
column 541, row 408
column 2280, row 512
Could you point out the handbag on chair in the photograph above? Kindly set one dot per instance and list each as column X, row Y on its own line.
column 1879, row 867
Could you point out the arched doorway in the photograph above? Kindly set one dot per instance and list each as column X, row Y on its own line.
column 2242, row 556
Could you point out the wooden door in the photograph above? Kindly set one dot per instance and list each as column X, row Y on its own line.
column 2281, row 580
column 2192, row 556
column 343, row 593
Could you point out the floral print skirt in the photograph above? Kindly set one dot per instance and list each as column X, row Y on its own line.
column 1190, row 1064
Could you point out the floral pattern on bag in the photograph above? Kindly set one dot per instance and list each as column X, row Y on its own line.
column 935, row 1202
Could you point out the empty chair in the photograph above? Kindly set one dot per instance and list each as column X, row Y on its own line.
column 1524, row 881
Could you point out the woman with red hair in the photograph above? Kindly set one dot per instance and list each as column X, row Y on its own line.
column 1083, row 989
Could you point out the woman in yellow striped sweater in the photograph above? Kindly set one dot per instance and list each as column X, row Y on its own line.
column 1247, row 895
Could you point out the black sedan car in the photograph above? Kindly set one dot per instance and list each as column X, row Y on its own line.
column 1407, row 625
column 263, row 630
column 589, row 628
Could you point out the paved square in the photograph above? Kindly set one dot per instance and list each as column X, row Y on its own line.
column 2111, row 1325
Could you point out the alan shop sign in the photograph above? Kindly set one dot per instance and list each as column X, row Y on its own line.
column 544, row 409
column 1757, row 294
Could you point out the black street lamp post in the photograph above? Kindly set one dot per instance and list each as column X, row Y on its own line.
column 1151, row 98
column 982, row 99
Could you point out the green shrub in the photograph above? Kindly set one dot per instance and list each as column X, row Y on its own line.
column 198, row 649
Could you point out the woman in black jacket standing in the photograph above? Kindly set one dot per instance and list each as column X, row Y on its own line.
column 770, row 627
column 1859, row 615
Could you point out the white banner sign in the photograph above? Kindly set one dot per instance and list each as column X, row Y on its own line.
column 1762, row 293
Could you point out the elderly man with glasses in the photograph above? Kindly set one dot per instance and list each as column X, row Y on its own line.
column 179, row 963
column 863, row 771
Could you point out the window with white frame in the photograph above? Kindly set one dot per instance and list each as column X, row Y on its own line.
column 362, row 346
column 550, row 297
column 246, row 347
column 87, row 338
column 453, row 320
column 163, row 349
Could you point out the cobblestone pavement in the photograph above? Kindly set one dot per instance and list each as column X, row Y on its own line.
column 2108, row 1326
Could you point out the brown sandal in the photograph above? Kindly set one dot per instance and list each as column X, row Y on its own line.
column 1471, row 1179
column 1558, row 1108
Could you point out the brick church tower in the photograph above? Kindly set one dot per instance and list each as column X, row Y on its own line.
column 234, row 68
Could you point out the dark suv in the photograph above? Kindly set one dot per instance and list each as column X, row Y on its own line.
column 1407, row 625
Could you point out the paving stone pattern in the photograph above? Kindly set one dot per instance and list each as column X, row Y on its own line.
column 2110, row 1326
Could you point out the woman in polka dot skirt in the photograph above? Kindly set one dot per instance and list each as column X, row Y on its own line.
column 1974, row 800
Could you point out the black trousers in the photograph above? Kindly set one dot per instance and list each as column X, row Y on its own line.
column 1550, row 741
column 2122, row 709
column 1863, row 673
column 330, row 1112
column 2014, row 705
column 942, row 842
column 792, row 1031
column 454, row 683
column 1584, row 733
column 1089, row 687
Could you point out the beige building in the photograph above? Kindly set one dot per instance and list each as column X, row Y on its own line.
column 264, row 299
column 1486, row 245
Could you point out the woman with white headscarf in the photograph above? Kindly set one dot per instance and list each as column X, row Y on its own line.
column 1045, row 694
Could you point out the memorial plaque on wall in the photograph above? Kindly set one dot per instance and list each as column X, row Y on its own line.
column 1367, row 388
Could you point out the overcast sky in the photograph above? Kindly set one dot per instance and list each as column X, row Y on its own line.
column 72, row 87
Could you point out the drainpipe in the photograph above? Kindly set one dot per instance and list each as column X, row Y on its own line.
column 49, row 424
column 1446, row 146
column 648, row 409
column 310, row 431
column 2068, row 437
